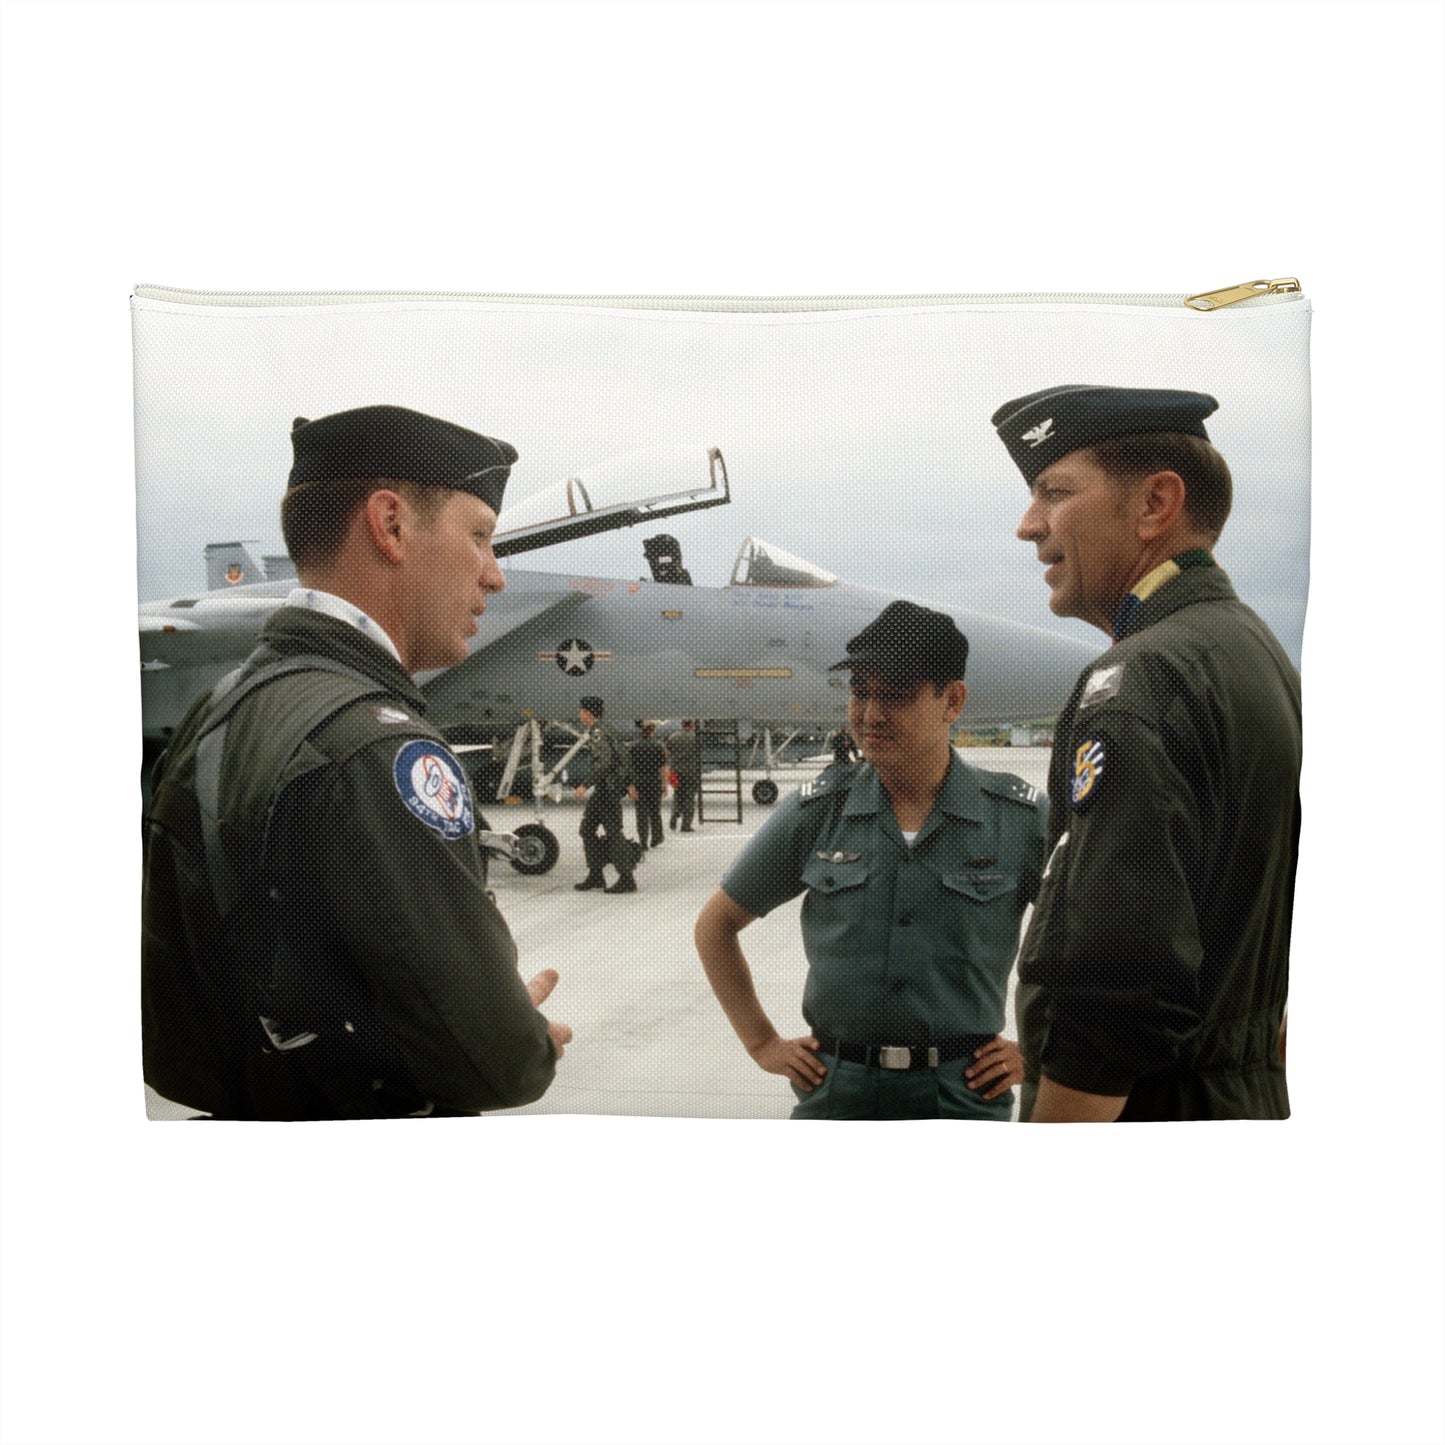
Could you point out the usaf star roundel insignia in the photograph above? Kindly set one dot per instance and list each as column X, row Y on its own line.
column 1088, row 769
column 434, row 788
column 574, row 657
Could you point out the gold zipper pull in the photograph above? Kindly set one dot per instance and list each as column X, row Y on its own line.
column 1213, row 300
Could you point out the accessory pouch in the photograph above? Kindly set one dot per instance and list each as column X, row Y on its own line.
column 710, row 498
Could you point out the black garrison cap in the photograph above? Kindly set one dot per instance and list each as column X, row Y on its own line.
column 1040, row 428
column 594, row 705
column 909, row 642
column 403, row 446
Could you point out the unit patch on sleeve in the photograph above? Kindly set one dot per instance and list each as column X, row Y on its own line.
column 1088, row 769
column 1102, row 684
column 434, row 788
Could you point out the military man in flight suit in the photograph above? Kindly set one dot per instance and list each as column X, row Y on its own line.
column 684, row 752
column 1153, row 978
column 647, row 757
column 916, row 867
column 603, row 840
column 318, row 940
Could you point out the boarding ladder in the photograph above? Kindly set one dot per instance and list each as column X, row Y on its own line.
column 718, row 737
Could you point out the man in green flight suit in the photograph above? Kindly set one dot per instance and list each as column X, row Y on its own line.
column 1154, row 974
column 684, row 752
column 916, row 868
column 317, row 937
column 647, row 757
column 603, row 840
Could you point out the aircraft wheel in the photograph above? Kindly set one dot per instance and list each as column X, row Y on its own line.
column 540, row 847
column 765, row 791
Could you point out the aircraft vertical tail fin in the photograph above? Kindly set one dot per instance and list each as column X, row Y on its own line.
column 231, row 564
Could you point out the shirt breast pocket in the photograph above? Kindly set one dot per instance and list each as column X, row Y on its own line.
column 836, row 922
column 981, row 887
column 988, row 902
column 828, row 878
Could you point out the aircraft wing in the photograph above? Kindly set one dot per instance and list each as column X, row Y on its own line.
column 684, row 481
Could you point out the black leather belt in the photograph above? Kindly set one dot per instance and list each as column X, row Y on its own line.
column 910, row 1058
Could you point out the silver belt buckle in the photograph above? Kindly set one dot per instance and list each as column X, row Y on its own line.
column 900, row 1056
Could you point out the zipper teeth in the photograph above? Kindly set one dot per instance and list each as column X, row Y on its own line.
column 670, row 303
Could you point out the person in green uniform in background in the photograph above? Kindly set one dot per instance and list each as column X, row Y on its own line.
column 916, row 868
column 647, row 757
column 1154, row 974
column 684, row 752
column 317, row 938
column 603, row 840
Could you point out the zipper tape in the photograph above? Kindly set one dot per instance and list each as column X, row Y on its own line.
column 1250, row 293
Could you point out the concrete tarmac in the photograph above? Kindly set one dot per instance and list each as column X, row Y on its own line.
column 649, row 1038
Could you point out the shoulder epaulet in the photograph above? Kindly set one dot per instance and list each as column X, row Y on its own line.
column 1006, row 785
column 830, row 783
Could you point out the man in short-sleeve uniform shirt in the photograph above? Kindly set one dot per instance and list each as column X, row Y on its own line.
column 1153, row 976
column 318, row 940
column 916, row 868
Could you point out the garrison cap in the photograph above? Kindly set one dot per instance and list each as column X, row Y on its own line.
column 909, row 642
column 1040, row 428
column 593, row 704
column 403, row 446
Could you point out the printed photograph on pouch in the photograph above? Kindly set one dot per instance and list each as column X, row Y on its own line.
column 848, row 709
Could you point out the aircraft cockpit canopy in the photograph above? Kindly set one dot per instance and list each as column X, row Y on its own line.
column 760, row 564
column 620, row 492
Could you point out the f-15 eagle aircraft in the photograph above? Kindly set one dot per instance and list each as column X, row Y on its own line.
column 756, row 650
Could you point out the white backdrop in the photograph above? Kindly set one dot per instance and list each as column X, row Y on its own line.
column 644, row 1280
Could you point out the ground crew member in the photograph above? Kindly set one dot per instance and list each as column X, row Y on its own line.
column 318, row 941
column 684, row 752
column 844, row 749
column 916, row 868
column 1153, row 976
column 603, row 840
column 647, row 758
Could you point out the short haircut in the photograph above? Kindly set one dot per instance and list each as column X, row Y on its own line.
column 316, row 516
column 1208, row 487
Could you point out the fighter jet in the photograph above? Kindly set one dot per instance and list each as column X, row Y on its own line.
column 188, row 643
column 756, row 650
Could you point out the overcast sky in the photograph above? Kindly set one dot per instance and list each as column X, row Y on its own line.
column 859, row 440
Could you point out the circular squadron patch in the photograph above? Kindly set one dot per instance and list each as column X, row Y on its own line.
column 1088, row 769
column 434, row 787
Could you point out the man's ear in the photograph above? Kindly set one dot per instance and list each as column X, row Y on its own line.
column 1161, row 498
column 955, row 694
column 385, row 515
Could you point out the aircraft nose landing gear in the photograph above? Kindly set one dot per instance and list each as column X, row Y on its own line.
column 536, row 851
